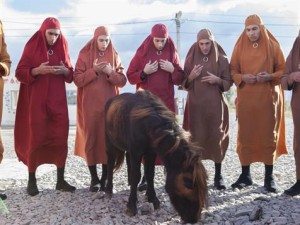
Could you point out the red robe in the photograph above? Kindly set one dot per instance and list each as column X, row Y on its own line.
column 42, row 123
column 161, row 83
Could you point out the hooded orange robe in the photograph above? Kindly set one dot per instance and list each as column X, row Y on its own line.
column 4, row 71
column 260, row 106
column 94, row 90
column 206, row 112
column 293, row 65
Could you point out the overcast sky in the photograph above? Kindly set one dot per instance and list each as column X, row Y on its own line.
column 131, row 21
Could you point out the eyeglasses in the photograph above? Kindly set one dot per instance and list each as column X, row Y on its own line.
column 53, row 34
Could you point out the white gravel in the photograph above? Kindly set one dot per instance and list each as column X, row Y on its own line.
column 251, row 205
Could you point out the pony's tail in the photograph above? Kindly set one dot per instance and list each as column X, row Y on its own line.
column 119, row 159
column 200, row 179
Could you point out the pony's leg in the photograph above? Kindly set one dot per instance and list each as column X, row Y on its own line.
column 128, row 167
column 110, row 151
column 135, row 169
column 149, row 173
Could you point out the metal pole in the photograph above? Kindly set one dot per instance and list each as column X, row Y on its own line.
column 178, row 24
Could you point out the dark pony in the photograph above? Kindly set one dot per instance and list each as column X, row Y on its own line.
column 144, row 127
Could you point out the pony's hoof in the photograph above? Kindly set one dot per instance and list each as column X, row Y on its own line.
column 156, row 204
column 108, row 195
column 131, row 212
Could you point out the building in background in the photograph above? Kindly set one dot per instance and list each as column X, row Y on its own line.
column 11, row 93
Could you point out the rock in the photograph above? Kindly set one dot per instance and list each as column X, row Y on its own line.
column 240, row 207
column 146, row 208
column 241, row 220
column 280, row 220
column 256, row 213
column 262, row 198
column 243, row 212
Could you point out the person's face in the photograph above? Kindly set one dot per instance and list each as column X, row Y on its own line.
column 159, row 43
column 253, row 32
column 205, row 46
column 103, row 42
column 52, row 36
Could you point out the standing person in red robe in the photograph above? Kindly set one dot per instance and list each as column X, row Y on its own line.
column 98, row 76
column 291, row 81
column 206, row 112
column 4, row 71
column 42, row 123
column 155, row 67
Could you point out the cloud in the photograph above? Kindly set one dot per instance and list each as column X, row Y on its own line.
column 131, row 20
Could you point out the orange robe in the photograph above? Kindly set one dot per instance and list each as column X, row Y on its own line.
column 293, row 65
column 94, row 90
column 260, row 106
column 4, row 71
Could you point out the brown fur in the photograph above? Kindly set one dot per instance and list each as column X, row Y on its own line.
column 141, row 125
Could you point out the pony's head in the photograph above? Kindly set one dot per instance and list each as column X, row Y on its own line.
column 187, row 185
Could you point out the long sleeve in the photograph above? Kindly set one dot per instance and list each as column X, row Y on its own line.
column 226, row 81
column 286, row 82
column 235, row 68
column 279, row 65
column 23, row 71
column 178, row 73
column 118, row 77
column 69, row 77
column 5, row 61
column 83, row 76
column 134, row 71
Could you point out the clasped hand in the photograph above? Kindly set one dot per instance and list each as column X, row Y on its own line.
column 260, row 78
column 103, row 67
column 153, row 67
column 295, row 76
column 44, row 68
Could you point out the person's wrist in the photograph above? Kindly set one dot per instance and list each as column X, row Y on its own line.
column 66, row 72
column 143, row 75
column 270, row 77
column 110, row 73
column 34, row 72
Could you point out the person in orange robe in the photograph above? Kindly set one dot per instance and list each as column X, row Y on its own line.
column 155, row 67
column 290, row 81
column 5, row 63
column 42, row 122
column 206, row 112
column 98, row 76
column 257, row 64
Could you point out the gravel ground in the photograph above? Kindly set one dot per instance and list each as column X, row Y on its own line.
column 251, row 205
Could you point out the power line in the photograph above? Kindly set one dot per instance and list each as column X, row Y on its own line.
column 111, row 24
column 240, row 15
column 86, row 26
column 186, row 13
column 137, row 34
column 239, row 23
